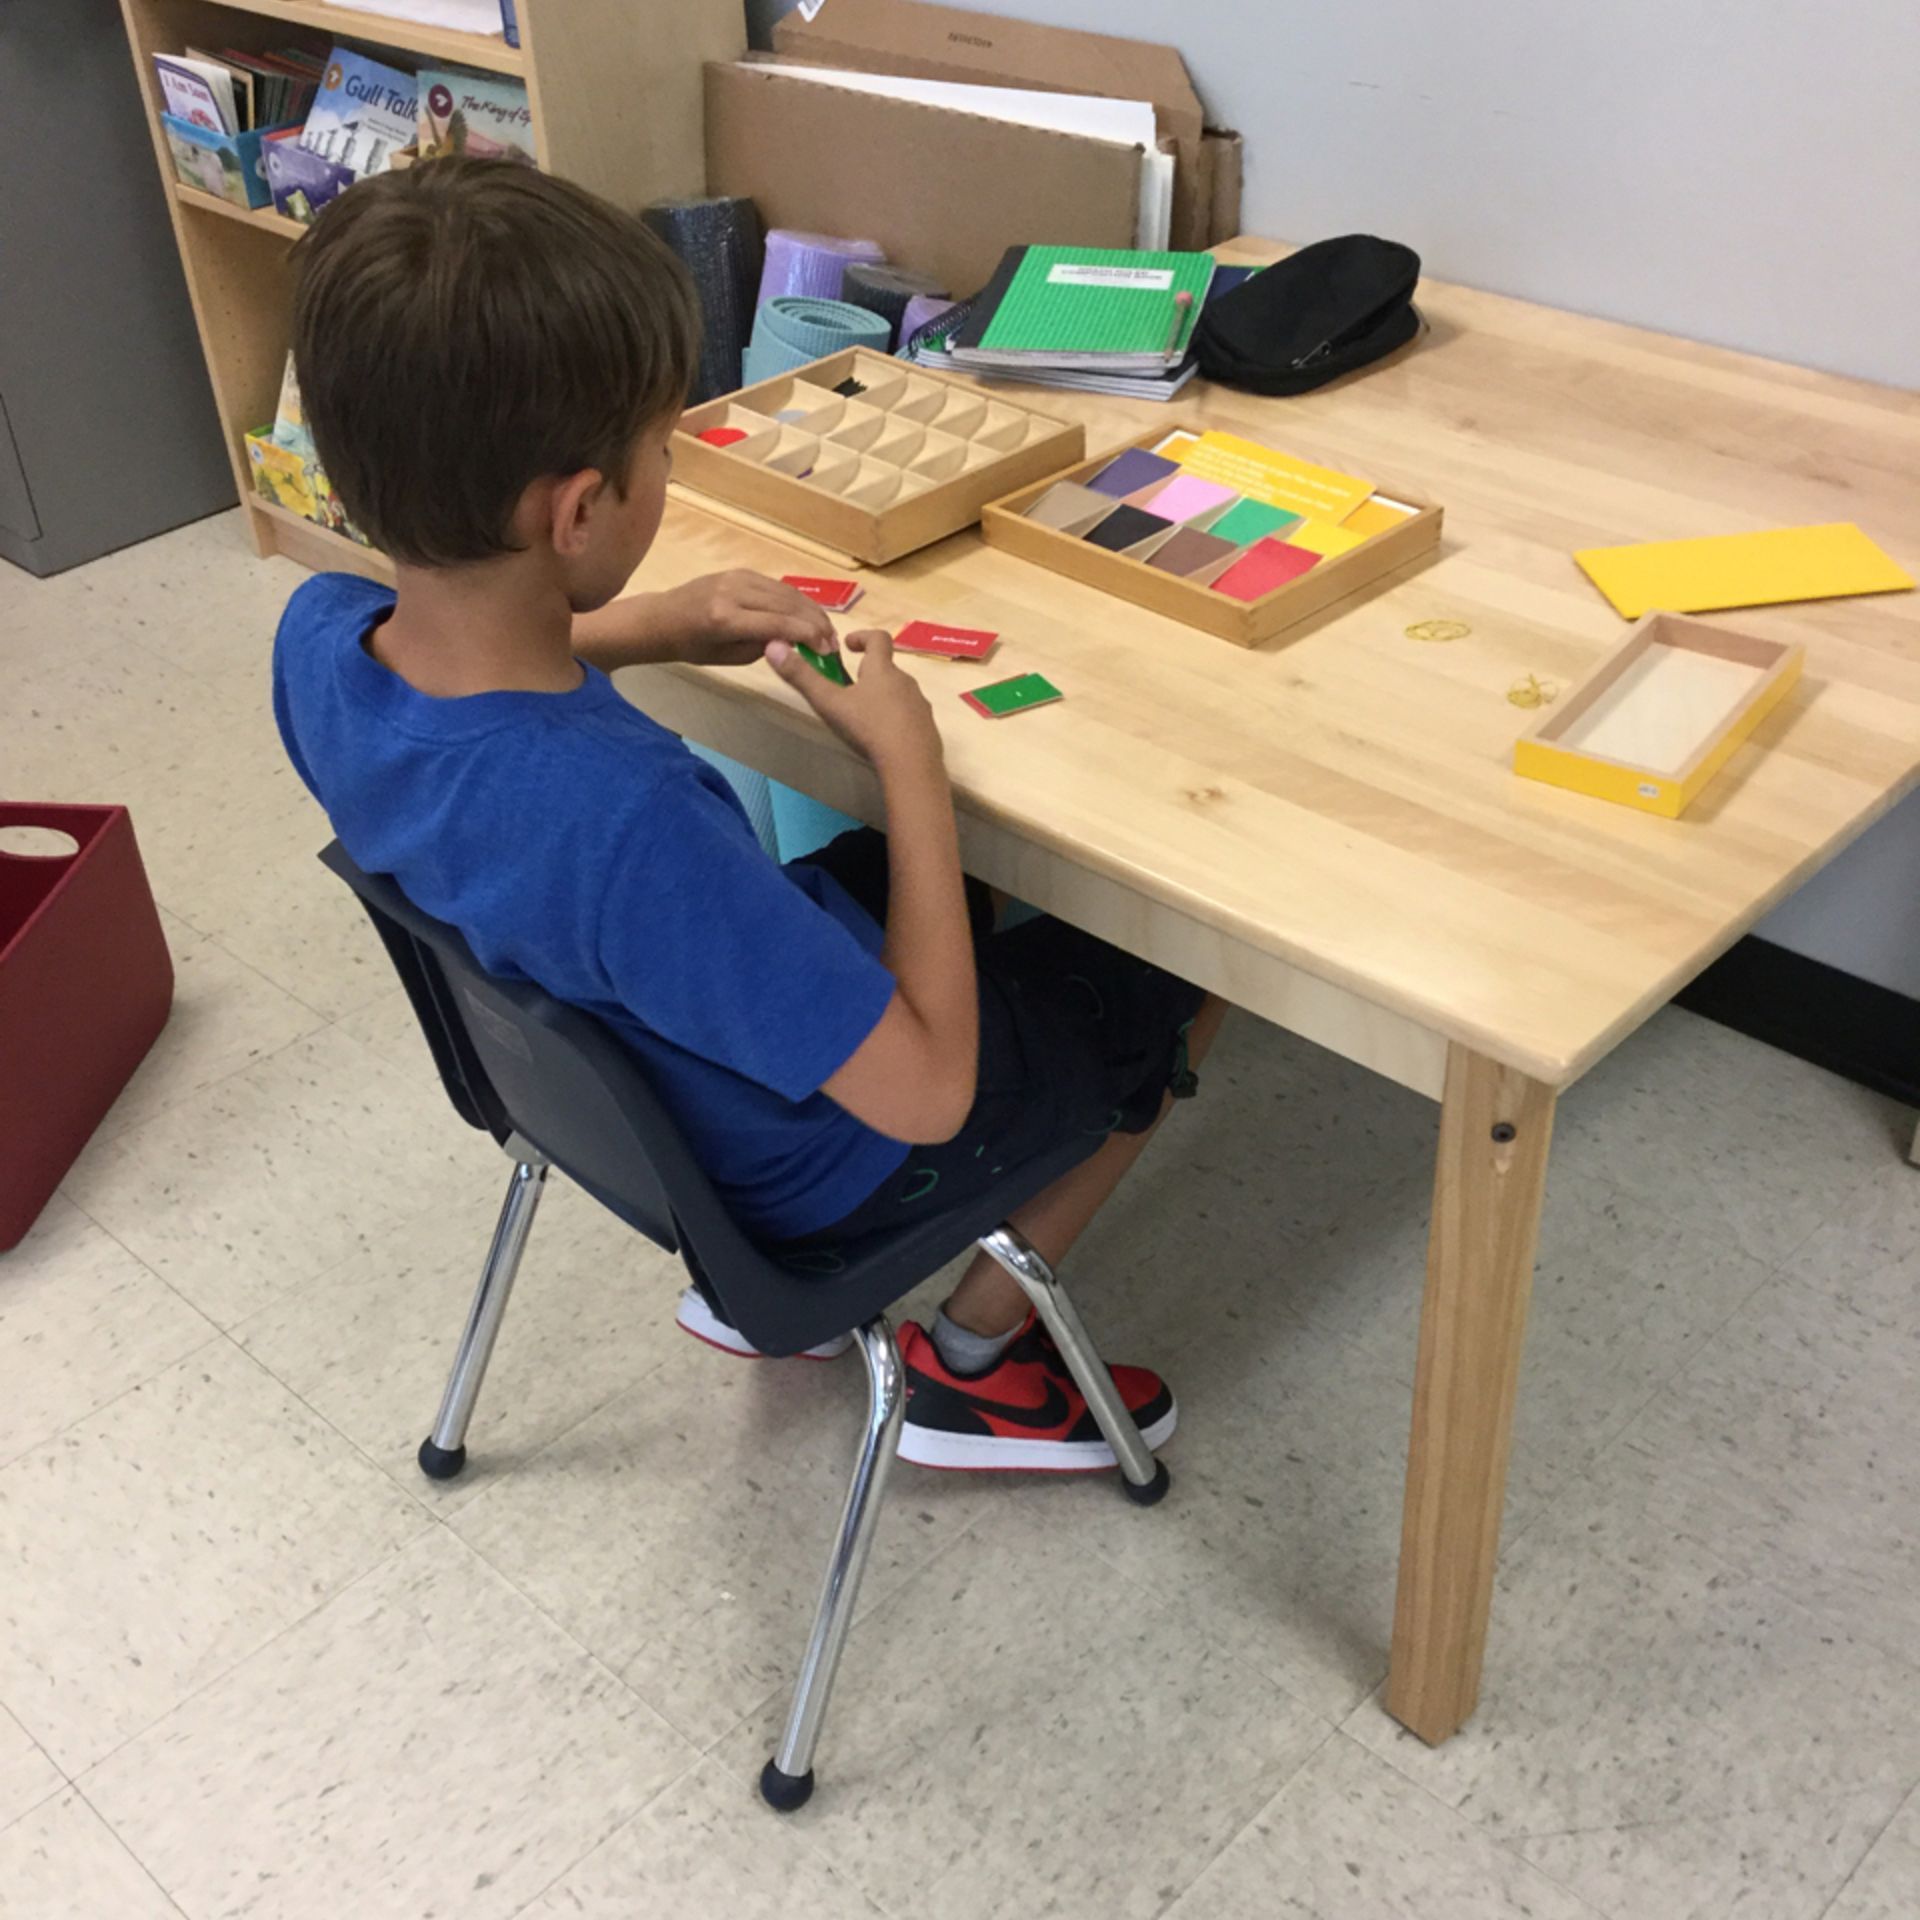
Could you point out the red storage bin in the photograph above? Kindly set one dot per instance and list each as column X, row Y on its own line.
column 86, row 983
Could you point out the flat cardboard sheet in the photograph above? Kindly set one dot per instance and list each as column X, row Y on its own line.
column 941, row 191
column 1741, row 570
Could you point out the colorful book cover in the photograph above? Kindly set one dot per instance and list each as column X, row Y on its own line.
column 206, row 160
column 281, row 476
column 474, row 114
column 363, row 113
column 302, row 182
column 290, row 419
column 197, row 92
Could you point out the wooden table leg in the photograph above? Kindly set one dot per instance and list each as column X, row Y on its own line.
column 1495, row 1125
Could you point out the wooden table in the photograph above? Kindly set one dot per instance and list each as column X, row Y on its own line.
column 1327, row 832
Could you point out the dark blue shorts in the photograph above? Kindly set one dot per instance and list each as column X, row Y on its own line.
column 1077, row 1040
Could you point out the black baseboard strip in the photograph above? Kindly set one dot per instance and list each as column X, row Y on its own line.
column 1850, row 1026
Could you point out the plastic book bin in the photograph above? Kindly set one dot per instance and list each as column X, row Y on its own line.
column 86, row 983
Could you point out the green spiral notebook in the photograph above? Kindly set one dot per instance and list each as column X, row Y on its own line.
column 1106, row 308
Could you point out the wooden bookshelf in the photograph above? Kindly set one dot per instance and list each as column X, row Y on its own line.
column 615, row 89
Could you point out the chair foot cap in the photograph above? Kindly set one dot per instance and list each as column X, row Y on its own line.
column 785, row 1792
column 441, row 1463
column 1154, row 1491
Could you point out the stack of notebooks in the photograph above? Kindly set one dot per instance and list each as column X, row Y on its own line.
column 1086, row 319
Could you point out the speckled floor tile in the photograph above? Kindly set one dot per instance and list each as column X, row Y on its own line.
column 1634, row 1680
column 1018, row 1725
column 1886, row 1884
column 427, row 1743
column 682, row 1532
column 152, row 1546
column 1712, row 1129
column 283, row 1170
column 225, row 1016
column 1623, row 1295
column 81, row 1321
column 1349, row 1839
column 368, row 1343
column 27, row 1776
column 62, row 1862
column 707, row 1845
column 1868, row 1258
column 1783, row 1862
column 1282, row 1531
column 1791, row 1444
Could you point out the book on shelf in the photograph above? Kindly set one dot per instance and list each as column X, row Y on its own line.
column 363, row 114
column 199, row 92
column 480, row 115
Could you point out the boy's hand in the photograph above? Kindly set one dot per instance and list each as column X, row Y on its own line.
column 729, row 619
column 883, row 716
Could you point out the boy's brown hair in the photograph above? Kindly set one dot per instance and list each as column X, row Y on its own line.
column 466, row 327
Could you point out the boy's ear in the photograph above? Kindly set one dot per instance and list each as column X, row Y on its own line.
column 570, row 511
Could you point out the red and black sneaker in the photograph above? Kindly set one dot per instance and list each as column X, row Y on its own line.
column 1025, row 1413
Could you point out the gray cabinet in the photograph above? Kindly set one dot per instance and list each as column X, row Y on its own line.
column 107, row 427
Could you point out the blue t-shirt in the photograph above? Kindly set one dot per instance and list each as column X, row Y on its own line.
column 578, row 844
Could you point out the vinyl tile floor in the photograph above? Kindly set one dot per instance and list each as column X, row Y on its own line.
column 252, row 1664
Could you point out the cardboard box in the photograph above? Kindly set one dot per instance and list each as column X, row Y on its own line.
column 906, row 461
column 1224, row 158
column 1247, row 623
column 954, row 43
column 943, row 192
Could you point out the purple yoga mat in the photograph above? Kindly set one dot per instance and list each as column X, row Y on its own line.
column 809, row 264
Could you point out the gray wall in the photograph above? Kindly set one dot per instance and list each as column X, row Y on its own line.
column 1742, row 174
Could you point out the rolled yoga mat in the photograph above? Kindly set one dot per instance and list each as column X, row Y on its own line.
column 887, row 291
column 809, row 265
column 789, row 333
column 719, row 239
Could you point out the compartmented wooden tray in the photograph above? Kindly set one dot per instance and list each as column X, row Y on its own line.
column 1661, row 715
column 1415, row 530
column 910, row 458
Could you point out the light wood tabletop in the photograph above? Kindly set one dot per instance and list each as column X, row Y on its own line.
column 1327, row 829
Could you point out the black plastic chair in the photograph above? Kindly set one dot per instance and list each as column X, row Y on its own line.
column 556, row 1089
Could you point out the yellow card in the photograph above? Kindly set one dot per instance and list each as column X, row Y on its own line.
column 1322, row 537
column 1376, row 516
column 1275, row 479
column 1741, row 570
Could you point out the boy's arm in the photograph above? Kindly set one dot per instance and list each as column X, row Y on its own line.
column 913, row 1076
column 721, row 619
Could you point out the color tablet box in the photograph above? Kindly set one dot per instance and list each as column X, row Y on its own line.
column 1176, row 576
column 873, row 475
column 1661, row 715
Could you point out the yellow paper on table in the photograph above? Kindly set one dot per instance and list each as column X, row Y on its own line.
column 1274, row 479
column 1376, row 516
column 1741, row 570
column 1322, row 537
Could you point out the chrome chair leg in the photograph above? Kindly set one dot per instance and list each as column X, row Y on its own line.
column 1145, row 1479
column 786, row 1782
column 444, row 1451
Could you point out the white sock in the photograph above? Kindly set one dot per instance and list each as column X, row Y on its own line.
column 968, row 1354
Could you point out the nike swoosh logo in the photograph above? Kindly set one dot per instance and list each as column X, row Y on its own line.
column 1051, row 1412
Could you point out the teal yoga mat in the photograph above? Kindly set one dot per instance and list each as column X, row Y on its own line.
column 788, row 333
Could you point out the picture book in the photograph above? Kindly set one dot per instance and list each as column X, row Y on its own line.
column 290, row 419
column 280, row 475
column 301, row 182
column 207, row 159
column 363, row 114
column 198, row 92
column 474, row 114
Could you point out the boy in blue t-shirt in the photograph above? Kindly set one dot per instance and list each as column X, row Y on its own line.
column 491, row 362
